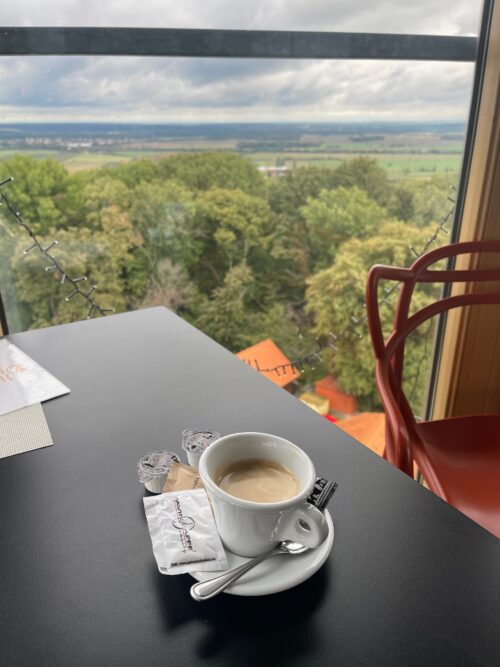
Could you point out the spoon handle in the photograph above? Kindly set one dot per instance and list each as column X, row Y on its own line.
column 204, row 590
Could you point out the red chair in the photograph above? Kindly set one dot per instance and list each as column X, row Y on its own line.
column 459, row 457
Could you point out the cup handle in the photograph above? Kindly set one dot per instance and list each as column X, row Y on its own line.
column 305, row 524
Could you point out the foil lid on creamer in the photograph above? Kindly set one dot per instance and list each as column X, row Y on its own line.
column 154, row 465
column 195, row 441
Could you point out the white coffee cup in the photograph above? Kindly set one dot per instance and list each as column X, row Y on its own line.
column 249, row 528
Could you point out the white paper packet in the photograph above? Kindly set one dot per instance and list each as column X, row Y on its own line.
column 183, row 532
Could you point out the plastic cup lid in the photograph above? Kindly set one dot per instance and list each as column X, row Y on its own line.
column 155, row 464
column 197, row 440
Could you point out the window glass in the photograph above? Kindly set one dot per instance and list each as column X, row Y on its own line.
column 249, row 196
column 460, row 17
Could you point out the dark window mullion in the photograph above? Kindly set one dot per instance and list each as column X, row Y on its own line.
column 234, row 44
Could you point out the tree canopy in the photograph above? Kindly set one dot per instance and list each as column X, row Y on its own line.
column 336, row 295
column 240, row 256
column 336, row 216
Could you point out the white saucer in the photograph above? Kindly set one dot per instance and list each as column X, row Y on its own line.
column 278, row 573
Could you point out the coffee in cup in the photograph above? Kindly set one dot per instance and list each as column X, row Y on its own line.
column 259, row 480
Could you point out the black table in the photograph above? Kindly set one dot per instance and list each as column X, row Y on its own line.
column 410, row 581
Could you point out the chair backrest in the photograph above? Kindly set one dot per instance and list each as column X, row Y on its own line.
column 389, row 353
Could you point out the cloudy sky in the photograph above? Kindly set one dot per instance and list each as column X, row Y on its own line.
column 181, row 89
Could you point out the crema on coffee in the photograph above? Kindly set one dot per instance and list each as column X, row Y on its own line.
column 258, row 480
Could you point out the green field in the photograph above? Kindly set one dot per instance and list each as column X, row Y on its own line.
column 6, row 153
column 398, row 165
column 401, row 159
column 80, row 161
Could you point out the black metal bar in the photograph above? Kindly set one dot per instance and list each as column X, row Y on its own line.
column 233, row 44
column 4, row 329
column 462, row 188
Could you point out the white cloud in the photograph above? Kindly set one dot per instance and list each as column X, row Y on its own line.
column 406, row 16
column 173, row 90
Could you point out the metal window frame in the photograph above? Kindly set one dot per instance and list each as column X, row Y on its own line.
column 198, row 43
column 482, row 51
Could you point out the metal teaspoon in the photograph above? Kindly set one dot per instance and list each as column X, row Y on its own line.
column 204, row 590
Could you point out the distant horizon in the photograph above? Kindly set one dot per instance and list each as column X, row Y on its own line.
column 291, row 122
column 221, row 91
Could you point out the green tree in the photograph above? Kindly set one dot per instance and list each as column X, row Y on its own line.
column 226, row 316
column 100, row 194
column 136, row 172
column 430, row 201
column 290, row 192
column 336, row 294
column 236, row 228
column 206, row 170
column 208, row 236
column 37, row 189
column 366, row 174
column 172, row 288
column 73, row 201
column 401, row 204
column 336, row 216
column 103, row 256
column 287, row 196
column 163, row 213
column 423, row 201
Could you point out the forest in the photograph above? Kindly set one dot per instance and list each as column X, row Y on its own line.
column 241, row 256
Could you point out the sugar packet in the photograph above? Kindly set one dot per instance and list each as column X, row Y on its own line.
column 183, row 533
column 181, row 477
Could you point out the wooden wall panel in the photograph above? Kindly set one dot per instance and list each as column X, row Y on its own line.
column 469, row 375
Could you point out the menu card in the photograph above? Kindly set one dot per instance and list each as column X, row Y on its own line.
column 23, row 382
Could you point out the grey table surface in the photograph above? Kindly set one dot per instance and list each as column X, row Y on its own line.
column 410, row 580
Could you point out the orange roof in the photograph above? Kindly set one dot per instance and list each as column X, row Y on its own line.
column 368, row 428
column 327, row 382
column 267, row 355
